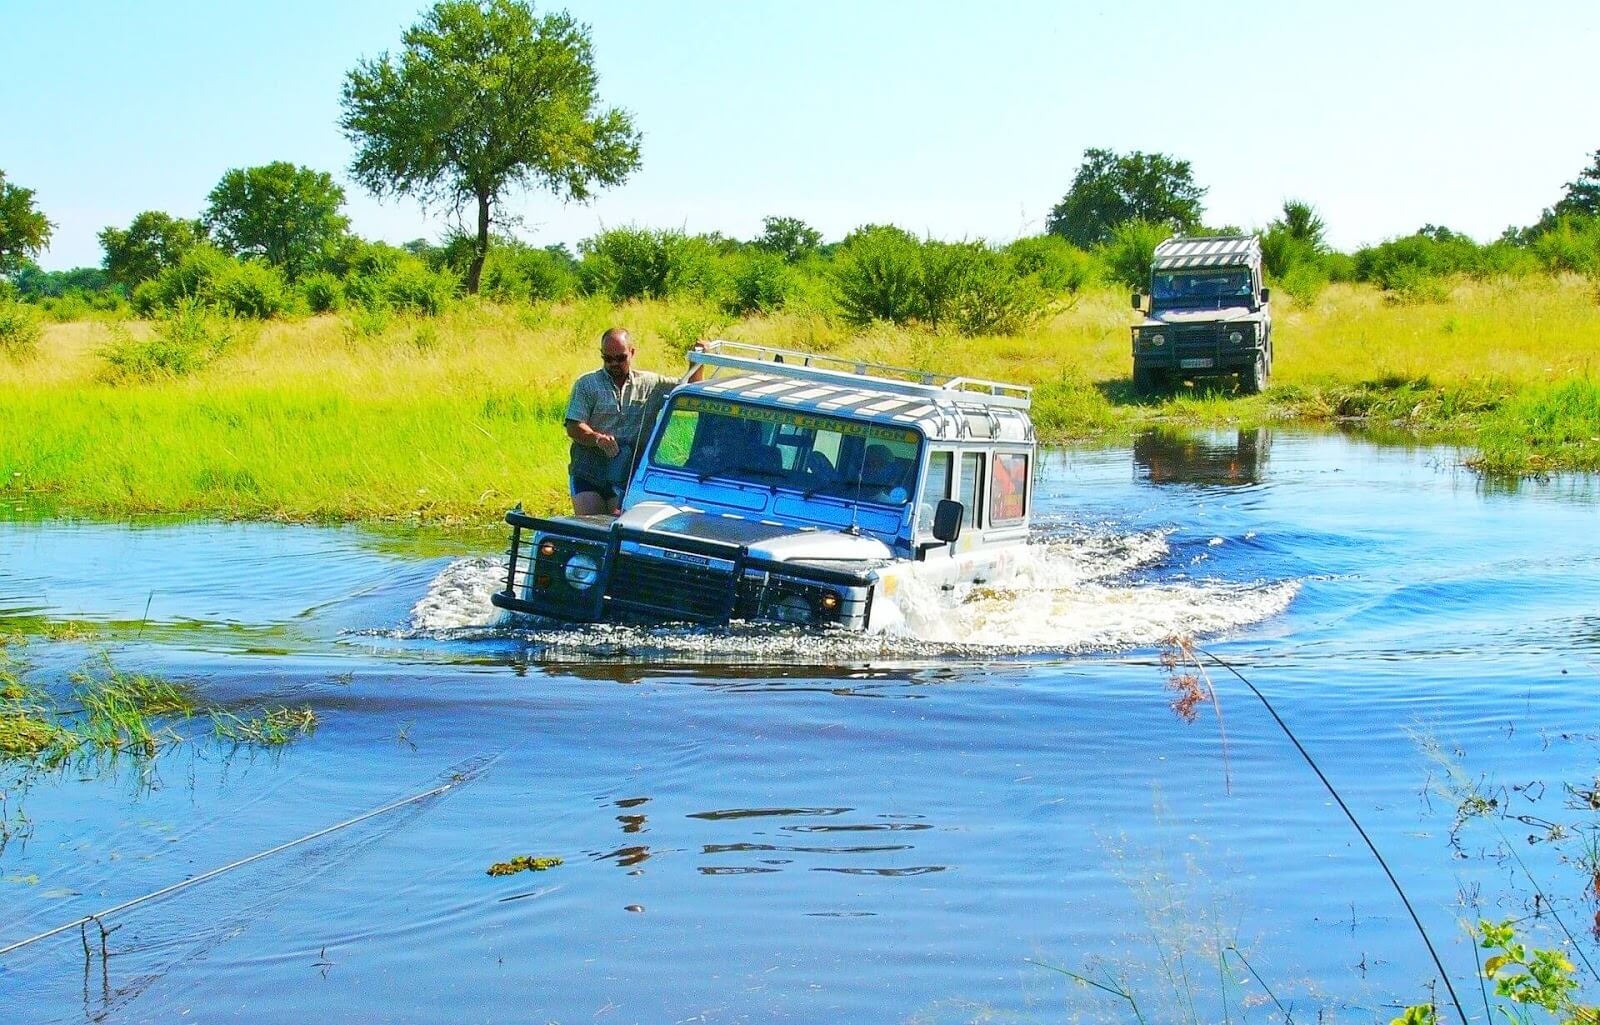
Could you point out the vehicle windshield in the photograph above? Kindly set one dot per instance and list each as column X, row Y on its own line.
column 779, row 448
column 1201, row 288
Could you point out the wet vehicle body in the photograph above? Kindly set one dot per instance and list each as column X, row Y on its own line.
column 791, row 487
column 1209, row 315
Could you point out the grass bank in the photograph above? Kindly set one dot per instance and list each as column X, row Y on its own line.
column 450, row 420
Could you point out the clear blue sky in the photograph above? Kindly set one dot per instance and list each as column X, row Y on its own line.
column 951, row 119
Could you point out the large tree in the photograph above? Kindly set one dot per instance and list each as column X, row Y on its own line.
column 789, row 237
column 485, row 97
column 24, row 231
column 148, row 246
column 1110, row 189
column 287, row 214
column 1583, row 195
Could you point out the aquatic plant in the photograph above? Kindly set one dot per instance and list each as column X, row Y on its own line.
column 522, row 863
column 274, row 727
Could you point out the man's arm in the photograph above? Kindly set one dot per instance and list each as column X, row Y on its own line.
column 583, row 434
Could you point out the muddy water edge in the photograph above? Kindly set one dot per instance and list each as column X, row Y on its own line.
column 760, row 825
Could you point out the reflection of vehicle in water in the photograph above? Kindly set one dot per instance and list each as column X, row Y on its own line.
column 1170, row 457
column 792, row 487
column 1209, row 314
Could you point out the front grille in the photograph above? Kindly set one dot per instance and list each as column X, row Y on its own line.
column 669, row 589
column 1195, row 341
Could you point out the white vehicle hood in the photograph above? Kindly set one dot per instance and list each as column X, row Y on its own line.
column 1227, row 313
column 764, row 539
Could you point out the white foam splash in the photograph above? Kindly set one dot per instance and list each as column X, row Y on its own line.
column 1075, row 594
column 459, row 596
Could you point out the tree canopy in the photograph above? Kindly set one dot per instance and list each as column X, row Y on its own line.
column 286, row 214
column 149, row 245
column 24, row 231
column 1583, row 195
column 1110, row 189
column 483, row 98
column 789, row 237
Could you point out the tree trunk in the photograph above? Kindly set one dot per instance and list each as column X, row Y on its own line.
column 481, row 250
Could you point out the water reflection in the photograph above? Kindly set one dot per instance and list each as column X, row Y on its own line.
column 1217, row 458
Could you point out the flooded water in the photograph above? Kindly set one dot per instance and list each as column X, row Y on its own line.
column 923, row 824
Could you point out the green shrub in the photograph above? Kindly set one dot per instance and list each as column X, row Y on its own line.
column 698, row 269
column 1413, row 286
column 1055, row 264
column 878, row 274
column 1304, row 283
column 182, row 342
column 67, row 308
column 191, row 278
column 628, row 263
column 405, row 284
column 1431, row 253
column 20, row 330
column 323, row 293
column 761, row 283
column 990, row 297
column 1128, row 253
column 551, row 275
column 1571, row 244
column 252, row 289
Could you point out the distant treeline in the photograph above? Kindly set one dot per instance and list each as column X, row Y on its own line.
column 274, row 242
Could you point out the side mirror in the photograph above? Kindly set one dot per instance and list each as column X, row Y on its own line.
column 947, row 519
column 1266, row 295
column 1138, row 301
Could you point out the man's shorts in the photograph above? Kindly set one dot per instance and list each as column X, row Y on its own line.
column 606, row 491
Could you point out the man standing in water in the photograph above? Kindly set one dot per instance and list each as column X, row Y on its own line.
column 605, row 418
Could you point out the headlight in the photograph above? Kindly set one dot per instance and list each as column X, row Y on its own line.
column 1235, row 337
column 1158, row 340
column 547, row 549
column 581, row 571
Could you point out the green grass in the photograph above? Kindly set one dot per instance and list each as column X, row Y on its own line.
column 450, row 421
column 274, row 727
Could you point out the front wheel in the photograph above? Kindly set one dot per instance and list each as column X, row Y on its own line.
column 1147, row 380
column 1254, row 380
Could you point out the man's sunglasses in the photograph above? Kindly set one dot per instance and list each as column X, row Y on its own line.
column 614, row 359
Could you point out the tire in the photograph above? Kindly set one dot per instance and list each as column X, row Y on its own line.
column 1147, row 381
column 1254, row 380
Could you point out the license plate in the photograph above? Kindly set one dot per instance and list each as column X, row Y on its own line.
column 1196, row 364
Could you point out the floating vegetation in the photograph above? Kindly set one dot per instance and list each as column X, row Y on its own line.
column 274, row 727
column 523, row 863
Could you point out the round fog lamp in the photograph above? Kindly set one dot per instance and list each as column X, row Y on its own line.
column 582, row 571
column 547, row 548
column 1158, row 340
column 830, row 602
column 1235, row 337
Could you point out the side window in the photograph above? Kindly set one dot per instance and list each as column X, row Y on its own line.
column 971, row 486
column 1008, row 488
column 935, row 487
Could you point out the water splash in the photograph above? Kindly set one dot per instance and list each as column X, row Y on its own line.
column 1083, row 591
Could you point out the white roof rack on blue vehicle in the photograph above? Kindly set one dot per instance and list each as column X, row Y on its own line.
column 1207, row 251
column 942, row 406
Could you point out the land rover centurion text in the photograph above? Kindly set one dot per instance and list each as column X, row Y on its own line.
column 1209, row 315
column 795, row 488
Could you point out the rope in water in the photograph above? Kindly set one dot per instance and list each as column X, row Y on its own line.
column 101, row 916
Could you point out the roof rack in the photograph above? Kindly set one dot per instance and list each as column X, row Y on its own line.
column 838, row 370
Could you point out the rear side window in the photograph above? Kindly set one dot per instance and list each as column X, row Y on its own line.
column 1008, row 488
column 971, row 486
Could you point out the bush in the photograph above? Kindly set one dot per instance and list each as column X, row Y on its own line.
column 1571, row 244
column 627, row 263
column 180, row 343
column 1413, row 286
column 322, row 292
column 1131, row 249
column 992, row 298
column 1431, row 253
column 878, row 272
column 190, row 278
column 404, row 283
column 762, row 281
column 1055, row 264
column 20, row 330
column 252, row 289
column 1304, row 283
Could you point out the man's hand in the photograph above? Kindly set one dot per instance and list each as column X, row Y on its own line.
column 607, row 444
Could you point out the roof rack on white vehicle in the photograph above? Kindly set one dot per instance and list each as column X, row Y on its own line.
column 839, row 370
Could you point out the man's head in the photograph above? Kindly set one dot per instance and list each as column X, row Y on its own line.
column 616, row 352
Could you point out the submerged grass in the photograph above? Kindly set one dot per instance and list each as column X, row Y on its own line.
column 274, row 727
column 327, row 419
